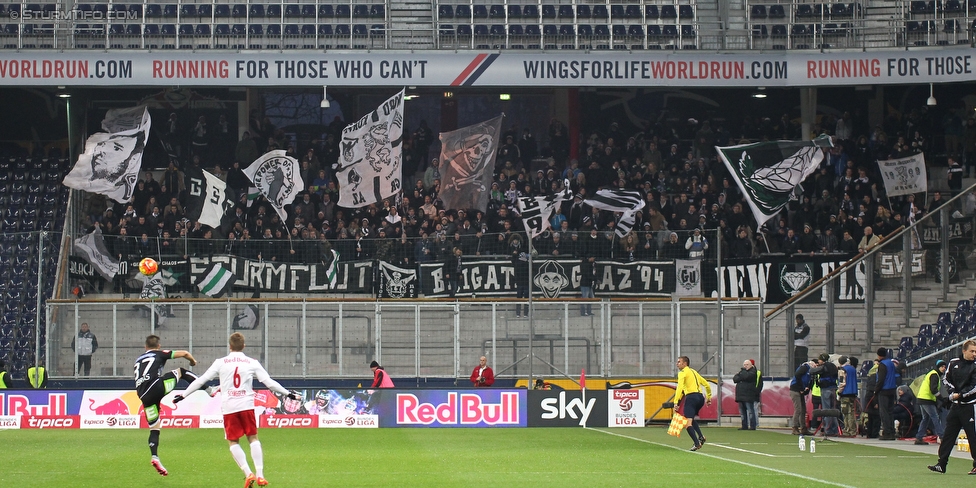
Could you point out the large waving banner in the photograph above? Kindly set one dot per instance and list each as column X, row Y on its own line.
column 370, row 154
column 769, row 172
column 467, row 161
column 112, row 159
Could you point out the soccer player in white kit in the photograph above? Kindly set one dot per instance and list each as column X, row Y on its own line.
column 236, row 372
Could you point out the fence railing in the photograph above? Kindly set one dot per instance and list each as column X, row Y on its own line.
column 319, row 338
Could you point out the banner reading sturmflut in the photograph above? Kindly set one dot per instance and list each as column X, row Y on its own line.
column 769, row 172
column 370, row 155
column 112, row 159
column 904, row 176
column 467, row 156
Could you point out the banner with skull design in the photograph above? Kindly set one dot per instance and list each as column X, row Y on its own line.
column 466, row 164
column 112, row 159
column 370, row 155
column 278, row 177
column 396, row 282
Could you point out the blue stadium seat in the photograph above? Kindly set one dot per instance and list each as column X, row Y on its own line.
column 496, row 12
column 548, row 11
column 905, row 347
column 205, row 11
column 952, row 6
column 686, row 12
column 308, row 11
column 186, row 30
column 238, row 11
column 188, row 10
column 951, row 26
column 688, row 31
column 530, row 12
column 377, row 11
column 584, row 30
column 777, row 12
column 273, row 11
column 256, row 11
column 921, row 7
column 600, row 12
column 759, row 31
column 343, row 30
column 532, row 30
column 480, row 12
column 170, row 11
column 550, row 30
column 583, row 11
column 202, row 30
column 463, row 12
column 445, row 12
column 601, row 30
column 308, row 30
column 925, row 330
column 779, row 30
column 360, row 11
column 514, row 11
column 669, row 31
column 617, row 12
column 326, row 11
column 651, row 12
column 567, row 31
column 273, row 30
column 566, row 12
column 342, row 11
column 325, row 30
column 669, row 12
column 945, row 319
column 255, row 30
column 293, row 10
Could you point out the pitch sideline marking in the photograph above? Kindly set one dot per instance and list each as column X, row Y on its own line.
column 808, row 478
column 744, row 450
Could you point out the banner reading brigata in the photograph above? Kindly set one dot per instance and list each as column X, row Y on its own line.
column 637, row 68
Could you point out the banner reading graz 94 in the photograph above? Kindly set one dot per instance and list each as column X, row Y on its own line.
column 552, row 278
column 471, row 68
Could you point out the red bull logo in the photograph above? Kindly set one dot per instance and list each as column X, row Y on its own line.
column 13, row 404
column 114, row 407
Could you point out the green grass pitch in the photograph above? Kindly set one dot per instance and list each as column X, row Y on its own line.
column 534, row 457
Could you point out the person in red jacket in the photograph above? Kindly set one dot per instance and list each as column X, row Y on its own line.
column 380, row 378
column 482, row 374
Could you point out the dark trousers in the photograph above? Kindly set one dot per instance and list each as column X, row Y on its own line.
column 521, row 291
column 960, row 417
column 886, row 405
column 692, row 403
column 84, row 364
column 799, row 356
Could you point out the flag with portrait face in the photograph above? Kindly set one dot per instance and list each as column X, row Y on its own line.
column 112, row 159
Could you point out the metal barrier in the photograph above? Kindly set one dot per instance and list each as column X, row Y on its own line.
column 327, row 338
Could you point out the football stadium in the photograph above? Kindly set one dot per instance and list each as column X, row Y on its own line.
column 443, row 243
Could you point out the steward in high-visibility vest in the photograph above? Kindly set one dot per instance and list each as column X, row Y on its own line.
column 37, row 377
column 4, row 376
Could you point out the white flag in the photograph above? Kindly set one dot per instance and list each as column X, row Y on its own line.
column 370, row 153
column 207, row 199
column 92, row 248
column 904, row 176
column 536, row 211
column 278, row 177
column 112, row 160
column 687, row 277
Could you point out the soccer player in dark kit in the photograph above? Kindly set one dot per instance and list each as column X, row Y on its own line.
column 152, row 385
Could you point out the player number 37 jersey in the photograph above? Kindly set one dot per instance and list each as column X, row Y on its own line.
column 237, row 372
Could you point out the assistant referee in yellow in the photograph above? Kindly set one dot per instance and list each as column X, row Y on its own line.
column 688, row 390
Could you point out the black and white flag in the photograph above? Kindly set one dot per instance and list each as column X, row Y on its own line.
column 396, row 282
column 153, row 287
column 466, row 164
column 536, row 211
column 769, row 172
column 628, row 202
column 112, row 159
column 904, row 176
column 247, row 319
column 92, row 248
column 216, row 281
column 687, row 277
column 278, row 177
column 208, row 198
column 370, row 156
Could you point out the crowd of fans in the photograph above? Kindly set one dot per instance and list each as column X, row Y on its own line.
column 691, row 200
